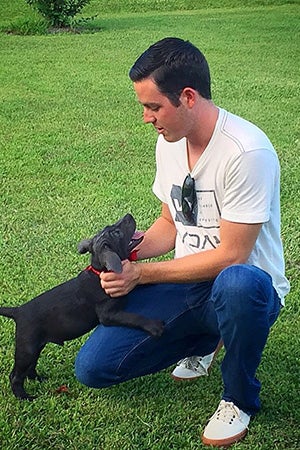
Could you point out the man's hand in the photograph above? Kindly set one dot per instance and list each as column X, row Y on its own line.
column 119, row 284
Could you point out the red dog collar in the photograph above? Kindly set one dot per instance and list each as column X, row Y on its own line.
column 92, row 269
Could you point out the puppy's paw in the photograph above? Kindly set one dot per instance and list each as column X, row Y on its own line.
column 30, row 398
column 26, row 397
column 155, row 328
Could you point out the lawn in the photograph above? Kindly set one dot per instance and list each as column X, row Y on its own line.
column 75, row 155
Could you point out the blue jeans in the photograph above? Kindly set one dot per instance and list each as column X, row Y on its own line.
column 239, row 307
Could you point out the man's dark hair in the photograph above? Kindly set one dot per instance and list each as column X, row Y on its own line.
column 173, row 64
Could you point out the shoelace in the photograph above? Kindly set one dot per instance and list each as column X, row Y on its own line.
column 227, row 412
column 192, row 363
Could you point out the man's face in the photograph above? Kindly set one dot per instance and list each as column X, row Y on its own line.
column 168, row 120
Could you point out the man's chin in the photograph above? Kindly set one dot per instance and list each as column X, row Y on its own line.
column 170, row 138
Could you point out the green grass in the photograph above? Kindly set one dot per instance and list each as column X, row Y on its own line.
column 74, row 155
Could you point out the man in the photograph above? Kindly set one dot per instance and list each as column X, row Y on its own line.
column 218, row 180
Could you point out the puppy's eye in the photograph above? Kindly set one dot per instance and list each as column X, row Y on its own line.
column 116, row 234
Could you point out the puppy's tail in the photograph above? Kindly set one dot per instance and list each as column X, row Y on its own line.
column 8, row 311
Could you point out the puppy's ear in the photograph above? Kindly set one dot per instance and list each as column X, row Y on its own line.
column 111, row 261
column 85, row 246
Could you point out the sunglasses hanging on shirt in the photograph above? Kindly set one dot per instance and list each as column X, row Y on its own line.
column 189, row 200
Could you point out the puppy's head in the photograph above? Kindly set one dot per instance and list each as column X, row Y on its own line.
column 112, row 245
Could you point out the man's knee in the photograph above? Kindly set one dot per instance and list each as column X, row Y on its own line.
column 236, row 278
column 239, row 288
column 89, row 372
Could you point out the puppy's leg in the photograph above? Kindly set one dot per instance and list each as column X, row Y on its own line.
column 33, row 375
column 26, row 356
column 17, row 378
column 112, row 316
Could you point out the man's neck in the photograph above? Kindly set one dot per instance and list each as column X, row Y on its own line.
column 200, row 136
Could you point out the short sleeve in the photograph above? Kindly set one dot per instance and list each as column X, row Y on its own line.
column 249, row 186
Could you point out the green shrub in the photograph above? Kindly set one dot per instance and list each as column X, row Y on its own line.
column 59, row 13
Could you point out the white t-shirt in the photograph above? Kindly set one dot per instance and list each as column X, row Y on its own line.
column 237, row 178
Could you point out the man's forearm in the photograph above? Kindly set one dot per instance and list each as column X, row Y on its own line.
column 237, row 242
column 199, row 267
column 159, row 239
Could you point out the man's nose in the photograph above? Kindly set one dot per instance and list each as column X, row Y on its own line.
column 148, row 116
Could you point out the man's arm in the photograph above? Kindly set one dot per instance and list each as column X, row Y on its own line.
column 237, row 241
column 159, row 239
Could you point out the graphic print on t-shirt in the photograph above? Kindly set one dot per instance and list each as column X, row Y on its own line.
column 205, row 234
column 208, row 209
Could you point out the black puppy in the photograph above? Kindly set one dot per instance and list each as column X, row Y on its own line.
column 76, row 306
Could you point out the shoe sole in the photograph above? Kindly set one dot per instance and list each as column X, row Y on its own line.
column 224, row 442
column 178, row 379
column 218, row 348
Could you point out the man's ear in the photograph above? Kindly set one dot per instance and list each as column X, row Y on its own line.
column 188, row 96
column 85, row 246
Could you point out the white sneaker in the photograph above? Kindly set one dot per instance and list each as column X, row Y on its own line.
column 229, row 424
column 192, row 367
